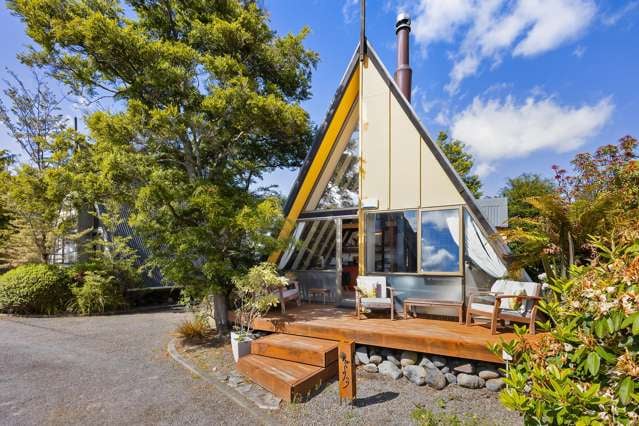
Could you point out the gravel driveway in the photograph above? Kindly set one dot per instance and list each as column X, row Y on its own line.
column 102, row 370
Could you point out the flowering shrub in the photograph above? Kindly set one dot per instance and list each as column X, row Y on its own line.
column 586, row 370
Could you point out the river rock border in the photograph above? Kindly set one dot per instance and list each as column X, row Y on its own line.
column 432, row 370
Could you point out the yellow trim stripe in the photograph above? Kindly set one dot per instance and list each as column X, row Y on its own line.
column 324, row 150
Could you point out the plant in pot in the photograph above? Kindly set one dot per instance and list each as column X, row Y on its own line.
column 257, row 291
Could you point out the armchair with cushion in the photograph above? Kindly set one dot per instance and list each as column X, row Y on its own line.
column 373, row 293
column 507, row 300
column 290, row 292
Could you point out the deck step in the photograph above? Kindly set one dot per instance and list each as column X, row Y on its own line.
column 287, row 379
column 306, row 350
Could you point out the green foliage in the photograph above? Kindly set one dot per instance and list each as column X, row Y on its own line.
column 256, row 293
column 461, row 160
column 37, row 194
column 210, row 101
column 519, row 189
column 34, row 289
column 110, row 253
column 586, row 370
column 96, row 293
column 425, row 417
column 601, row 194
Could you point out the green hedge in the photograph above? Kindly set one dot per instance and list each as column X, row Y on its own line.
column 34, row 289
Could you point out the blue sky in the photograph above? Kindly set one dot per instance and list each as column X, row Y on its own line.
column 524, row 83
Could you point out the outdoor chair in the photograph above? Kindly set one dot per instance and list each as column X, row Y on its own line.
column 507, row 300
column 288, row 293
column 373, row 293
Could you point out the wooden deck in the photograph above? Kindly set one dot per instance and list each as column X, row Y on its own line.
column 447, row 338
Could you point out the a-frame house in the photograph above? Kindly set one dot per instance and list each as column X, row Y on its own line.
column 376, row 196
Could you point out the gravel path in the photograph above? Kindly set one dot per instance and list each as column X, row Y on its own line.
column 381, row 400
column 102, row 370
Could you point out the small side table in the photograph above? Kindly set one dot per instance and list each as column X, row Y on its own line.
column 410, row 302
column 315, row 293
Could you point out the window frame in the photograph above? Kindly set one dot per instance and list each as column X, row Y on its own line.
column 458, row 273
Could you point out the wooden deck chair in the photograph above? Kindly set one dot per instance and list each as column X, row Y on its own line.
column 373, row 293
column 507, row 300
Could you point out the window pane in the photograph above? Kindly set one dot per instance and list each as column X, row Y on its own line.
column 440, row 241
column 312, row 248
column 391, row 242
column 341, row 191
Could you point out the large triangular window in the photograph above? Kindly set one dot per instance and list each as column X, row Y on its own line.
column 338, row 186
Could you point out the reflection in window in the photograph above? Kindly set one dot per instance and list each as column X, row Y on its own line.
column 440, row 241
column 312, row 247
column 342, row 190
column 391, row 242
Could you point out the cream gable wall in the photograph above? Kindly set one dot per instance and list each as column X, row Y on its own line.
column 437, row 188
column 374, row 140
column 404, row 159
column 398, row 168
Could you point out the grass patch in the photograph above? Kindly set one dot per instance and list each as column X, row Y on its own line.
column 425, row 417
column 192, row 329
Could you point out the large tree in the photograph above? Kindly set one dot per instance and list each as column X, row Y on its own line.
column 208, row 101
column 461, row 160
column 35, row 193
column 519, row 189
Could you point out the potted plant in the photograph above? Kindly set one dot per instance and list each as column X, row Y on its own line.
column 257, row 291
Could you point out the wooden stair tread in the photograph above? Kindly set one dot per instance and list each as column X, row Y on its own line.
column 306, row 350
column 284, row 378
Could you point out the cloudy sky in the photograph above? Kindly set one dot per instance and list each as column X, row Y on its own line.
column 524, row 83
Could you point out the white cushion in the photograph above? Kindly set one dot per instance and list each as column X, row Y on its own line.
column 375, row 301
column 289, row 293
column 515, row 287
column 370, row 285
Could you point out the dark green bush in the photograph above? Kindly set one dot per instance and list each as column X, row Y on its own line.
column 34, row 289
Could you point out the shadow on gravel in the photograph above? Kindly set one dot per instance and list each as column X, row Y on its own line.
column 375, row 399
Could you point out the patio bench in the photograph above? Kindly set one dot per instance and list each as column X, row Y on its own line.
column 427, row 303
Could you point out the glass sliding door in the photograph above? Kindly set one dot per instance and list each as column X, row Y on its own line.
column 324, row 254
column 349, row 257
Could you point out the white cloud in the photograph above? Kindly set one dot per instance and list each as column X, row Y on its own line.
column 432, row 257
column 350, row 10
column 497, row 128
column 442, row 118
column 488, row 29
column 610, row 19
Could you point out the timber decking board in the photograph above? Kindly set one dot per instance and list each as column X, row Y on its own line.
column 306, row 350
column 283, row 378
column 438, row 337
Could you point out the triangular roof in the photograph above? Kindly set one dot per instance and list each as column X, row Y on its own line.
column 345, row 85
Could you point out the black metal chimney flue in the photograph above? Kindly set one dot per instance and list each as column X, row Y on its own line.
column 404, row 73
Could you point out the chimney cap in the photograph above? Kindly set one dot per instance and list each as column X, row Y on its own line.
column 403, row 21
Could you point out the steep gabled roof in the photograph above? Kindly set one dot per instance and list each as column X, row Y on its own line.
column 410, row 112
column 321, row 132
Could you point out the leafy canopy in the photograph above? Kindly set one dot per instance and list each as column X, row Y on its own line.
column 208, row 100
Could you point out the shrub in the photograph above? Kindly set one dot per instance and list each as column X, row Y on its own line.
column 586, row 370
column 96, row 293
column 34, row 289
column 255, row 293
column 192, row 329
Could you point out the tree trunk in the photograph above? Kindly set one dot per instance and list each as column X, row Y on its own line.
column 221, row 313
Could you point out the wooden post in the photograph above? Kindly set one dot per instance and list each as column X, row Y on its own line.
column 346, row 371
